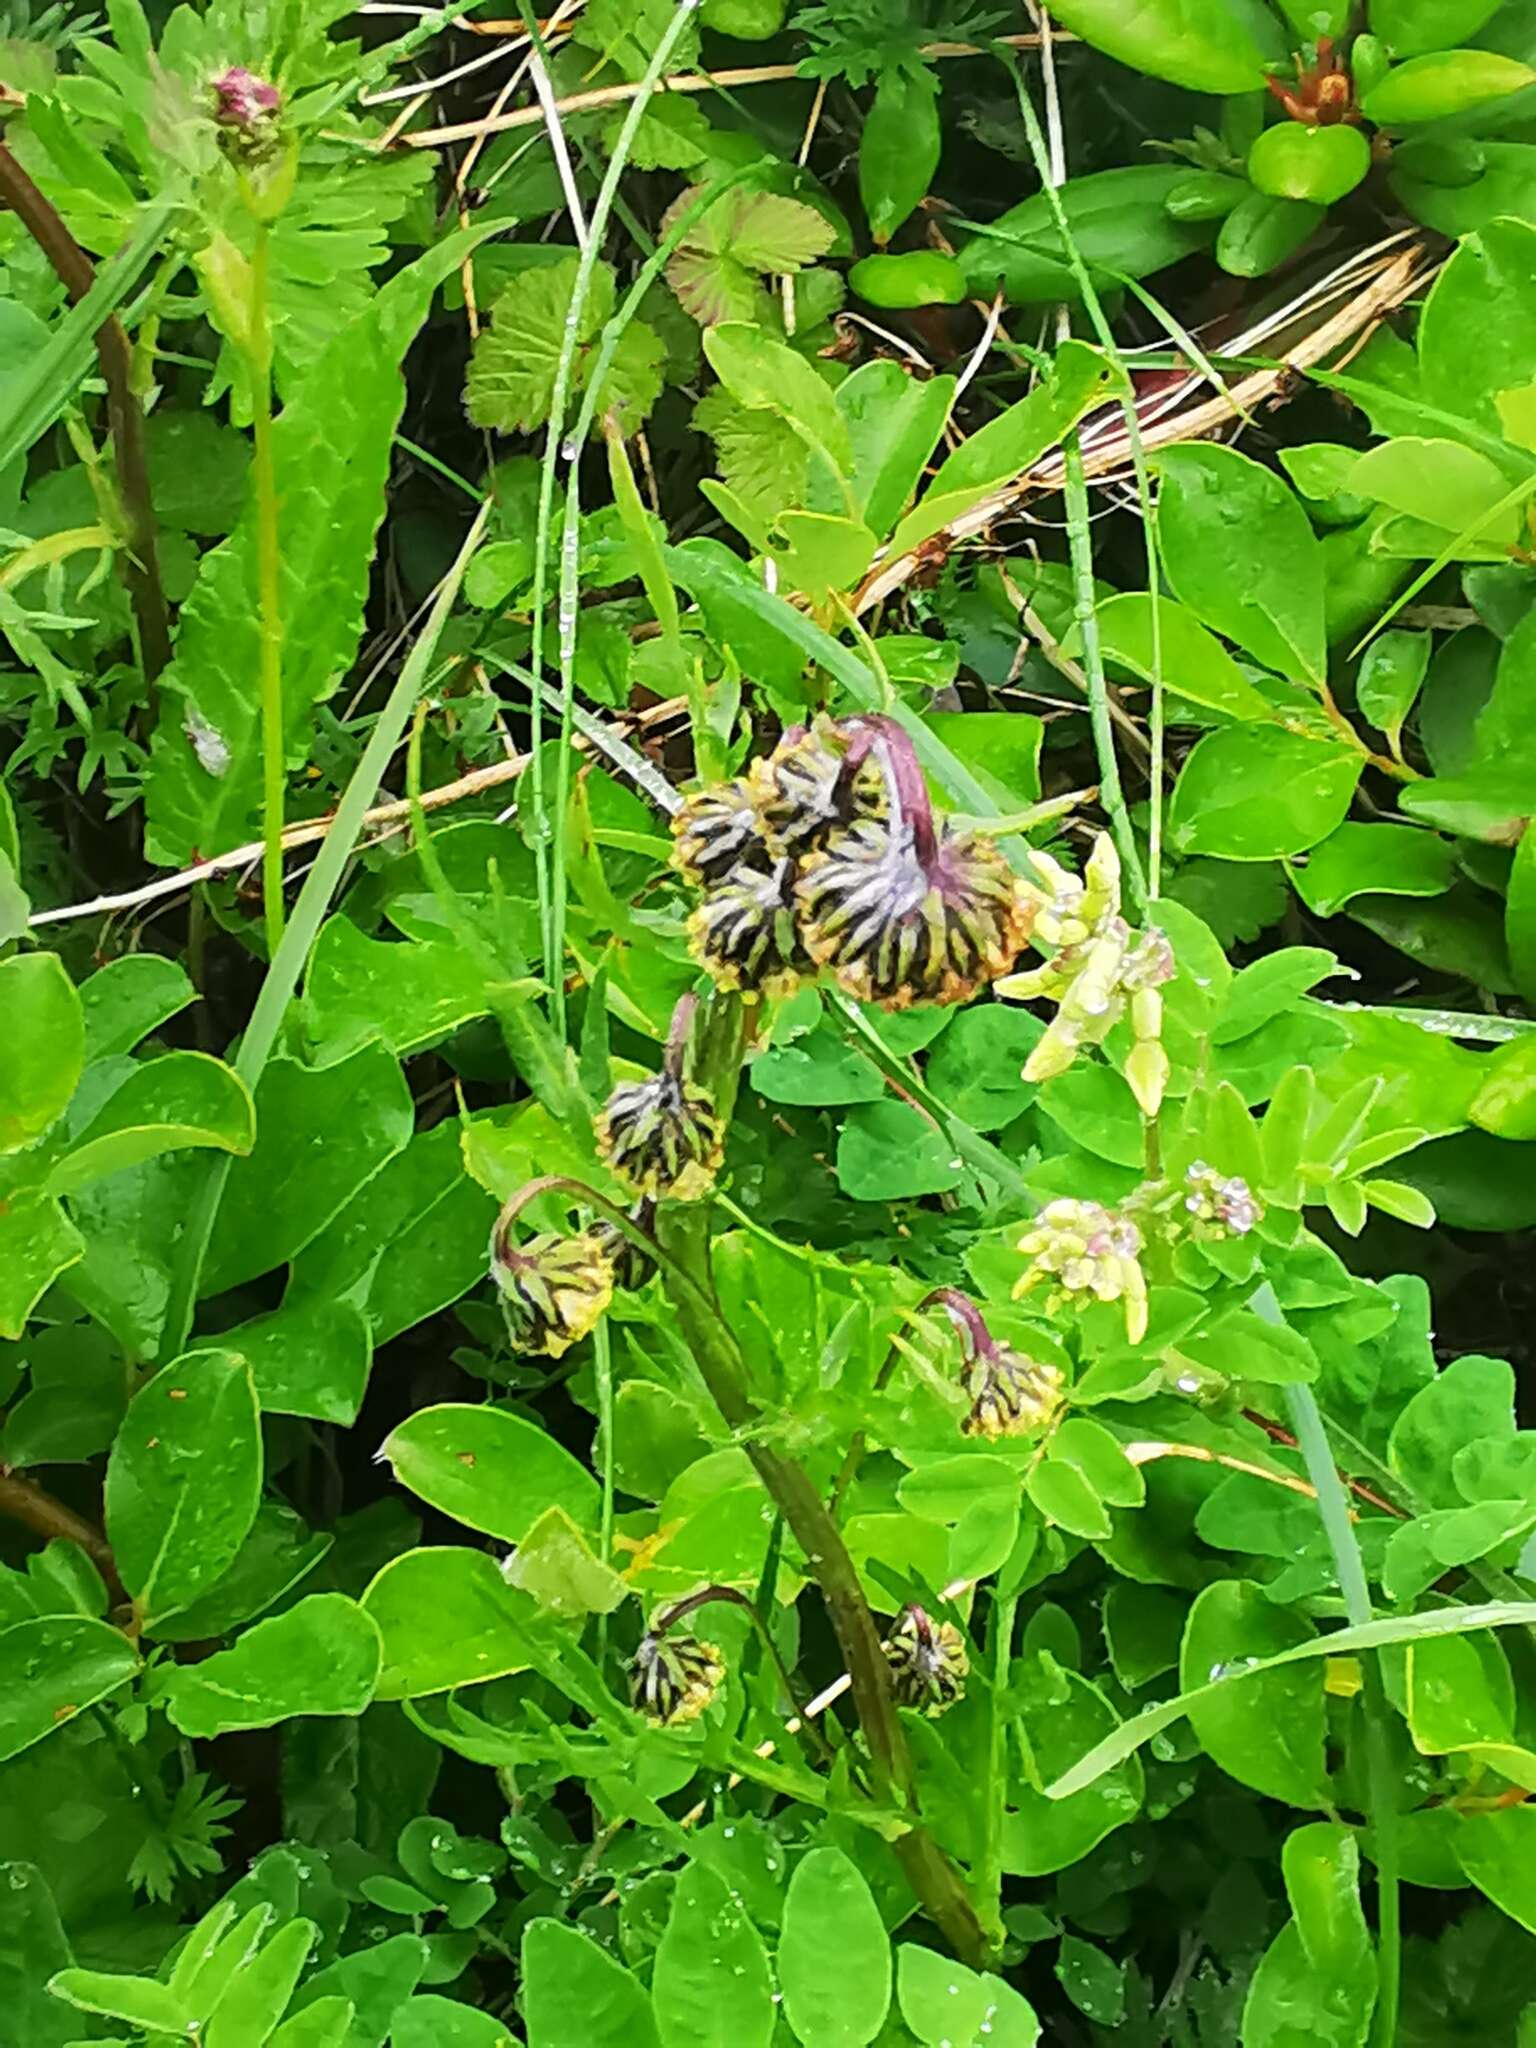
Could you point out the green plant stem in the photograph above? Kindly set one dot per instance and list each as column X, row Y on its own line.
column 989, row 1877
column 602, row 1372
column 125, row 415
column 684, row 1230
column 287, row 964
column 570, row 540
column 1333, row 1512
column 269, row 591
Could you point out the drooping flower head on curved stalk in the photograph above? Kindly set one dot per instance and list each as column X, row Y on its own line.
column 928, row 1662
column 1010, row 1394
column 662, row 1136
column 553, row 1289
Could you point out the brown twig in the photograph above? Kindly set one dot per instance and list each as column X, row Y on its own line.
column 683, row 81
column 22, row 1500
column 125, row 416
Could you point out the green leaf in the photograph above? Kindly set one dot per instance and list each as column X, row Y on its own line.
column 448, row 1618
column 1520, row 916
column 715, row 268
column 1393, row 671
column 711, row 1986
column 1505, row 1103
column 280, row 1551
column 1143, row 1627
column 428, row 2021
column 1471, row 1400
column 1442, row 83
column 1267, row 1734
column 1060, row 1711
column 310, row 1358
column 576, row 1996
column 375, row 1982
column 945, row 2003
column 333, row 446
column 1093, row 1981
column 1498, row 1853
column 1476, row 328
column 322, row 1133
column 1241, row 553
column 894, row 422
column 1203, row 45
column 834, row 1959
column 183, row 1480
column 33, row 1948
column 1410, row 27
column 889, row 1151
column 492, row 1471
column 1011, row 443
column 1130, row 1736
column 899, row 148
column 257, row 1996
column 321, row 1656
column 45, row 1045
column 1194, row 662
column 512, row 370
column 767, row 376
column 180, row 1101
column 1459, row 1694
column 138, row 2000
column 818, row 1071
column 1372, row 860
column 1257, row 793
column 763, row 460
column 37, row 1243
column 52, row 1668
column 129, row 998
column 1269, row 986
column 411, row 996
column 1445, row 486
column 557, row 1567
column 976, row 1068
column 1119, row 221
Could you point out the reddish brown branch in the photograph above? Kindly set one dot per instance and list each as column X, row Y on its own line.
column 125, row 416
column 22, row 1500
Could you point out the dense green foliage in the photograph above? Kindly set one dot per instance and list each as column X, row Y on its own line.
column 768, row 970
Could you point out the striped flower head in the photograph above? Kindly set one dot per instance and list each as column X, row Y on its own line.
column 818, row 779
column 743, row 933
column 662, row 1137
column 553, row 1289
column 928, row 1662
column 673, row 1678
column 632, row 1264
column 715, row 829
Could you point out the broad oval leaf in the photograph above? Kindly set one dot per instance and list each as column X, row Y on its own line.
column 1267, row 1734
column 711, row 1987
column 1203, row 45
column 490, row 1470
column 1256, row 792
column 320, row 1657
column 576, row 1996
column 181, row 1101
column 44, row 1045
column 834, row 1956
column 53, row 1667
column 183, row 1480
column 448, row 1618
column 1062, row 1713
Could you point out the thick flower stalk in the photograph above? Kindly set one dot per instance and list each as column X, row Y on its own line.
column 1081, row 1249
column 662, row 1136
column 928, row 1662
column 553, row 1289
column 1100, row 970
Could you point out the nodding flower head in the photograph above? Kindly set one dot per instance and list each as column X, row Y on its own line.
column 906, row 911
column 743, row 933
column 246, row 108
column 1221, row 1205
column 928, row 1662
column 1082, row 1248
column 673, row 1678
column 553, row 1289
column 715, row 829
column 632, row 1264
column 662, row 1137
column 818, row 779
column 1010, row 1395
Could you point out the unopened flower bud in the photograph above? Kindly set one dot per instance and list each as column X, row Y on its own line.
column 553, row 1289
column 673, row 1678
column 1221, row 1205
column 1082, row 1248
column 244, row 101
column 662, row 1136
column 1147, row 1070
column 928, row 1662
column 1011, row 1395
